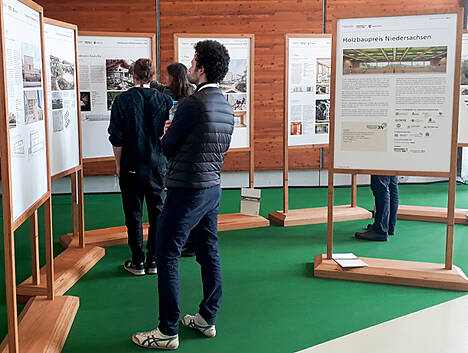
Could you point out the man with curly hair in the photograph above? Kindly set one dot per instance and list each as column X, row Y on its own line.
column 195, row 143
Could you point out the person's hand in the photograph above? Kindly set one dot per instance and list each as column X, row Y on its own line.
column 167, row 125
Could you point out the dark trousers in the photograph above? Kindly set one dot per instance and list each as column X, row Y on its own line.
column 136, row 187
column 185, row 212
column 385, row 190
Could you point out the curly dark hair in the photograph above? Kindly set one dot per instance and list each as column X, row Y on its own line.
column 214, row 58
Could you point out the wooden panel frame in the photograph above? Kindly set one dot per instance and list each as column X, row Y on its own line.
column 251, row 148
column 103, row 165
column 387, row 278
column 286, row 146
column 75, row 173
column 9, row 224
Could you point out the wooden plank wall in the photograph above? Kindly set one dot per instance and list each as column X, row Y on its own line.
column 269, row 20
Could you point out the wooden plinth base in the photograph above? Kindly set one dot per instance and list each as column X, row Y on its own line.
column 118, row 235
column 405, row 273
column 102, row 237
column 236, row 221
column 430, row 214
column 69, row 267
column 318, row 215
column 44, row 324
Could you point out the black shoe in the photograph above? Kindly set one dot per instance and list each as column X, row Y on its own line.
column 370, row 235
column 187, row 253
column 370, row 226
column 150, row 268
column 138, row 269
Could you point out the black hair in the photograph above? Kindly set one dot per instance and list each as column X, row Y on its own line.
column 214, row 58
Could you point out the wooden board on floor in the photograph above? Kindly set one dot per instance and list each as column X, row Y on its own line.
column 69, row 267
column 118, row 235
column 318, row 215
column 44, row 324
column 430, row 214
column 405, row 273
column 102, row 237
column 236, row 221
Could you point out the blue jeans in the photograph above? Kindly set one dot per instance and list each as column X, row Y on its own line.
column 385, row 190
column 185, row 212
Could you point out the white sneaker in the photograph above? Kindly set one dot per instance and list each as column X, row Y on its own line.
column 156, row 340
column 197, row 322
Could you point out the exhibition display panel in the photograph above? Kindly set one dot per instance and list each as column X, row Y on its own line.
column 306, row 121
column 395, row 82
column 65, row 154
column 26, row 173
column 104, row 60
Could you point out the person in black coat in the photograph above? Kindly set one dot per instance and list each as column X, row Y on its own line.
column 136, row 125
column 195, row 143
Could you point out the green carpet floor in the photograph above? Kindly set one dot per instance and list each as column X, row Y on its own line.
column 272, row 302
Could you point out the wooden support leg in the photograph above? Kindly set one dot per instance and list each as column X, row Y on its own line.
column 74, row 204
column 450, row 223
column 36, row 277
column 10, row 280
column 49, row 248
column 353, row 190
column 80, row 196
column 330, row 215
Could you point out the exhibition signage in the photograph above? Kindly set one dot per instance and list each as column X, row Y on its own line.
column 236, row 86
column 63, row 120
column 105, row 60
column 26, row 109
column 394, row 93
column 308, row 89
column 395, row 83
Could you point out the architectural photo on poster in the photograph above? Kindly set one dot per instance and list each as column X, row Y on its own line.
column 394, row 60
column 62, row 74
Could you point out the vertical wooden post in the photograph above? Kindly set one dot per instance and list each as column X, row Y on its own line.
column 74, row 204
column 450, row 224
column 252, row 126
column 285, row 132
column 353, row 190
column 10, row 279
column 36, row 278
column 81, row 225
column 49, row 248
column 454, row 150
column 330, row 214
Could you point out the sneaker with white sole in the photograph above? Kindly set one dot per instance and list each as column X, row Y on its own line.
column 155, row 339
column 197, row 322
column 138, row 269
column 150, row 268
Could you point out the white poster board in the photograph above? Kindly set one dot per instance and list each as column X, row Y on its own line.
column 62, row 108
column 309, row 75
column 394, row 92
column 103, row 76
column 24, row 76
column 463, row 112
column 236, row 84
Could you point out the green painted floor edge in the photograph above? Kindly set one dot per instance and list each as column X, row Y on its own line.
column 271, row 302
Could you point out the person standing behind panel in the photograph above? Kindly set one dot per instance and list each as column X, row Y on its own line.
column 195, row 143
column 136, row 125
column 385, row 190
